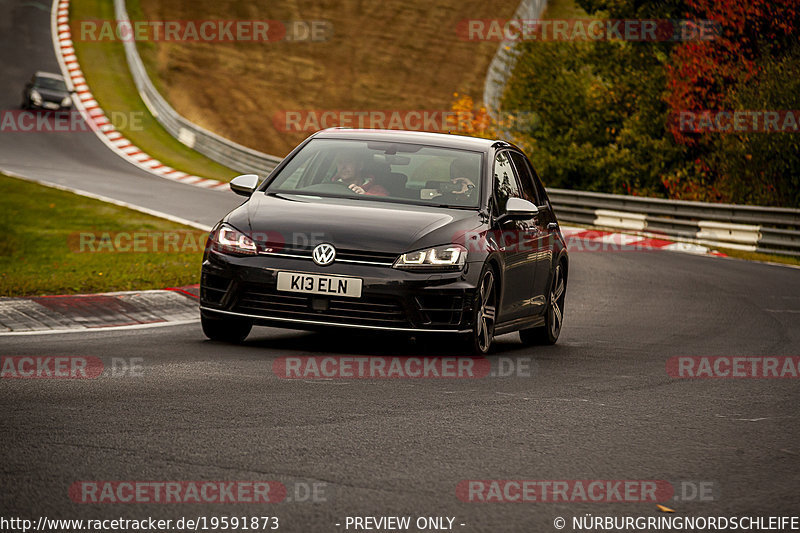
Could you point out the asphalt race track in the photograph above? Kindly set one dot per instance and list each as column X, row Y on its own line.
column 78, row 159
column 597, row 406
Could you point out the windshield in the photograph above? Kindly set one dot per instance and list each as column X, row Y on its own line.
column 397, row 172
column 50, row 83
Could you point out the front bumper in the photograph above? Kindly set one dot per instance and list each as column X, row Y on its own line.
column 50, row 106
column 391, row 299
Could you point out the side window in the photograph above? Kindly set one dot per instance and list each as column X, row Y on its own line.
column 505, row 182
column 525, row 173
column 540, row 192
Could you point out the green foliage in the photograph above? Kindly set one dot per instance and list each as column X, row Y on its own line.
column 595, row 115
column 763, row 168
column 599, row 114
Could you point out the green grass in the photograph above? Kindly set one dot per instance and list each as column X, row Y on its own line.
column 106, row 71
column 758, row 256
column 39, row 245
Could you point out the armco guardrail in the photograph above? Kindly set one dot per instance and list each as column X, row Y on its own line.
column 220, row 149
column 743, row 227
column 505, row 58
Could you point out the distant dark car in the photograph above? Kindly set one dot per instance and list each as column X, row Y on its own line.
column 46, row 91
column 390, row 231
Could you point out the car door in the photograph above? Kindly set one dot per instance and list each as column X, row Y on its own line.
column 511, row 236
column 544, row 233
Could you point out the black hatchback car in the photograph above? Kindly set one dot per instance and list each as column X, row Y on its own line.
column 390, row 231
column 46, row 91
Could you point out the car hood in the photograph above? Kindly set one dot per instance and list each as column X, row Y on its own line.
column 355, row 224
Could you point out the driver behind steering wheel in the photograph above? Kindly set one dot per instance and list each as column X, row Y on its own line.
column 462, row 175
column 349, row 172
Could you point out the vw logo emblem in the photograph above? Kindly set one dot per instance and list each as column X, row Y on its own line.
column 324, row 254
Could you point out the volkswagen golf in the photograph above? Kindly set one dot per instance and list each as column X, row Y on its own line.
column 390, row 231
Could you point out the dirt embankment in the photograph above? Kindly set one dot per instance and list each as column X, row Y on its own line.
column 389, row 55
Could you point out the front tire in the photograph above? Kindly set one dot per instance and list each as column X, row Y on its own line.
column 554, row 314
column 225, row 329
column 482, row 335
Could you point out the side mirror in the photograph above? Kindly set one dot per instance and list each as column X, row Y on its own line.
column 245, row 184
column 518, row 207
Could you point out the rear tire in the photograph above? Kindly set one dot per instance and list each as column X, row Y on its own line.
column 553, row 315
column 231, row 330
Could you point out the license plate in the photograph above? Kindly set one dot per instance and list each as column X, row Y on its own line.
column 316, row 284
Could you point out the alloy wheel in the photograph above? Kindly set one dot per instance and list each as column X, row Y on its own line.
column 487, row 311
column 556, row 302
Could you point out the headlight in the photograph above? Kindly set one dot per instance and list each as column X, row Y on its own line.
column 66, row 102
column 448, row 257
column 36, row 97
column 229, row 240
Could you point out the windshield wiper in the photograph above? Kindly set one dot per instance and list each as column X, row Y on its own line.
column 448, row 206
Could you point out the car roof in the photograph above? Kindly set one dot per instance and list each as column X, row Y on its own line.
column 43, row 74
column 444, row 140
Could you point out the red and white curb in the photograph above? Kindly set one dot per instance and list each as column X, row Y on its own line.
column 96, row 118
column 104, row 311
column 593, row 240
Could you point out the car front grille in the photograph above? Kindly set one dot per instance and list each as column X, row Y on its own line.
column 343, row 255
column 368, row 311
column 368, row 257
